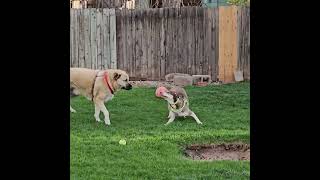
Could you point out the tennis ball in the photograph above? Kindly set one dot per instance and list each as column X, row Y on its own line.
column 122, row 142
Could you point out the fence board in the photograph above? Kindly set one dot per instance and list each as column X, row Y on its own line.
column 216, row 47
column 152, row 30
column 200, row 42
column 191, row 42
column 86, row 23
column 129, row 43
column 138, row 38
column 227, row 43
column 244, row 41
column 133, row 63
column 106, row 39
column 170, row 34
column 157, row 57
column 99, row 40
column 184, row 41
column 75, row 62
column 124, row 40
column 93, row 40
column 119, row 30
column 166, row 39
column 71, row 36
column 162, row 45
column 149, row 42
column 144, row 49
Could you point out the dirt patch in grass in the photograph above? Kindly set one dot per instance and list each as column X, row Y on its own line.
column 216, row 152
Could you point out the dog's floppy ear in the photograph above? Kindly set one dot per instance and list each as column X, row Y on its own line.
column 116, row 76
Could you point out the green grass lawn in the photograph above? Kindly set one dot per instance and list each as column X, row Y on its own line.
column 154, row 151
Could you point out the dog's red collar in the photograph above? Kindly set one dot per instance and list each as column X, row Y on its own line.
column 106, row 80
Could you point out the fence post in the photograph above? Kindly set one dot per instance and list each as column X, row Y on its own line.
column 228, row 44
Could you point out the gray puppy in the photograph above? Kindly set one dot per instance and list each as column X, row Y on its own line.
column 178, row 104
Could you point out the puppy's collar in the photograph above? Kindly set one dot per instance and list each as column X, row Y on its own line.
column 106, row 80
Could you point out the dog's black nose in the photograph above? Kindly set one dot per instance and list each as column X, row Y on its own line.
column 128, row 87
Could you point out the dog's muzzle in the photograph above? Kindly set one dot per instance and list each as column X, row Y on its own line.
column 127, row 87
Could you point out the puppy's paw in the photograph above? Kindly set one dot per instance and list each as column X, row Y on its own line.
column 73, row 111
column 166, row 124
column 199, row 122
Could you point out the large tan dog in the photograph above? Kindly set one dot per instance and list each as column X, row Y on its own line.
column 98, row 86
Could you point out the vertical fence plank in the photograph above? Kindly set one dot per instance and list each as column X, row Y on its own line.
column 206, row 41
column 216, row 40
column 124, row 39
column 75, row 62
column 71, row 36
column 169, row 44
column 93, row 40
column 190, row 35
column 106, row 39
column 162, row 34
column 119, row 30
column 149, row 42
column 99, row 39
column 139, row 37
column 129, row 41
column 157, row 44
column 227, row 43
column 86, row 14
column 184, row 41
column 144, row 49
column 200, row 41
column 113, row 39
column 133, row 63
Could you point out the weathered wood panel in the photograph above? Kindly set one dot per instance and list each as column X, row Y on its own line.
column 244, row 41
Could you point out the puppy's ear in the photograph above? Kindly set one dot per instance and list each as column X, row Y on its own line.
column 116, row 76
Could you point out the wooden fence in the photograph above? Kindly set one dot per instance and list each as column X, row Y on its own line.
column 150, row 43
column 155, row 42
column 93, row 38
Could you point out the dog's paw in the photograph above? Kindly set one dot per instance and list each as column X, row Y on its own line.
column 73, row 111
column 166, row 124
column 97, row 118
column 199, row 122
